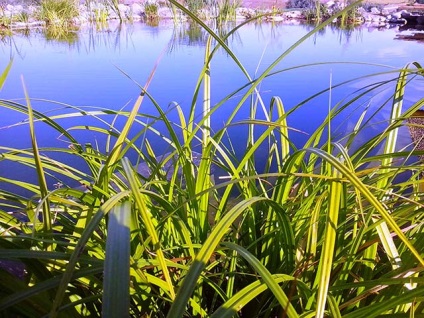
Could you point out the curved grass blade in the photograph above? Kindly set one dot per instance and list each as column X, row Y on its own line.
column 46, row 213
column 386, row 163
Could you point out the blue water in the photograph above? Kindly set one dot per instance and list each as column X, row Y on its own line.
column 103, row 69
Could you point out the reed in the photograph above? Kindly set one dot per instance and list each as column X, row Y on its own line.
column 324, row 229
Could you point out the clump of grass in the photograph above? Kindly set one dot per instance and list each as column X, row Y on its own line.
column 151, row 9
column 323, row 229
column 58, row 12
column 5, row 20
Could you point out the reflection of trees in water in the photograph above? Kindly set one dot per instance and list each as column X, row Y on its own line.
column 87, row 38
column 344, row 33
column 53, row 35
column 9, row 44
column 61, row 35
column 112, row 36
column 117, row 36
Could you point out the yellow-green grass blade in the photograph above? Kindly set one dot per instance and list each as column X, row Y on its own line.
column 284, row 130
column 47, row 221
column 333, row 307
column 326, row 260
column 116, row 152
column 4, row 74
column 203, row 181
column 203, row 176
column 116, row 281
column 149, row 222
column 358, row 236
column 390, row 147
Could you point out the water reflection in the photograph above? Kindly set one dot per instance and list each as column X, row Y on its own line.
column 83, row 72
column 54, row 33
column 118, row 36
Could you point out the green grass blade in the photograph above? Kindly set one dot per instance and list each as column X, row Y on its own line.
column 326, row 260
column 203, row 181
column 85, row 236
column 47, row 221
column 116, row 286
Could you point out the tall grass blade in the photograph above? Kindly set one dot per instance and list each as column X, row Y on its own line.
column 390, row 147
column 116, row 281
column 116, row 153
column 46, row 214
column 204, row 178
column 326, row 260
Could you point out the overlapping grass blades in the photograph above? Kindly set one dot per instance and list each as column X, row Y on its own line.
column 300, row 238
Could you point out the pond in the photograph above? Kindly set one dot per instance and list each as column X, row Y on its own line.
column 102, row 67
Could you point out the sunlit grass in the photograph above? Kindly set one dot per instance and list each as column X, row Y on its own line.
column 326, row 228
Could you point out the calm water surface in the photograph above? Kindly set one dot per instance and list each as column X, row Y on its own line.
column 104, row 68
